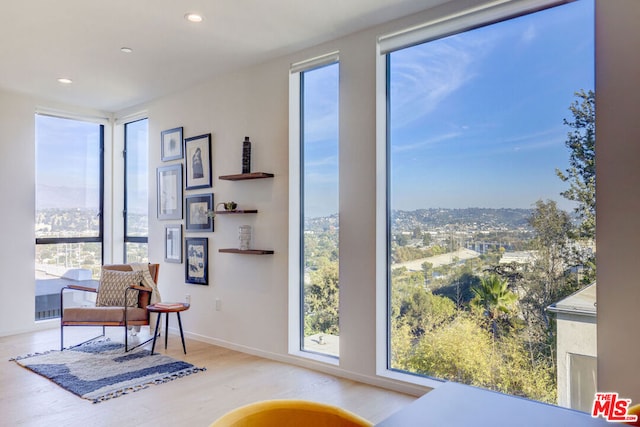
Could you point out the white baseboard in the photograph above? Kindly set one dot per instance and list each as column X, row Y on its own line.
column 389, row 384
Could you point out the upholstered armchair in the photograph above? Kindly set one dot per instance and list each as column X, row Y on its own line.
column 121, row 301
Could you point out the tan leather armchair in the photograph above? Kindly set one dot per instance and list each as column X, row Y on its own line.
column 116, row 315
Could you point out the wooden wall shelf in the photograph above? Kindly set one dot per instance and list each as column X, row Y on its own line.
column 243, row 176
column 237, row 212
column 247, row 252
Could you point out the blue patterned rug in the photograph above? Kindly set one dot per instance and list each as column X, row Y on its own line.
column 101, row 370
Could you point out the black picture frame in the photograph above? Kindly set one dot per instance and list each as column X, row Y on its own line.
column 198, row 205
column 197, row 260
column 171, row 144
column 173, row 243
column 169, row 188
column 197, row 155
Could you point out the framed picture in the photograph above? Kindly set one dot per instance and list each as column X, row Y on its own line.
column 169, row 185
column 197, row 207
column 171, row 141
column 197, row 265
column 173, row 243
column 198, row 161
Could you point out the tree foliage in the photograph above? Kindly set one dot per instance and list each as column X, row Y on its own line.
column 479, row 321
column 494, row 299
column 581, row 173
column 321, row 300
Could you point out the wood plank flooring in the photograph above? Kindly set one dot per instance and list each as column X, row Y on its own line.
column 232, row 379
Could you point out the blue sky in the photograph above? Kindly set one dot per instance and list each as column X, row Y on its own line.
column 68, row 160
column 476, row 118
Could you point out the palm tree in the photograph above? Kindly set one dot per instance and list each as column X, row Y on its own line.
column 493, row 297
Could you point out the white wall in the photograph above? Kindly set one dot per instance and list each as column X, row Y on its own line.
column 576, row 334
column 17, row 187
column 253, row 289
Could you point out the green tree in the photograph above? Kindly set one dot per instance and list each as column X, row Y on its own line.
column 427, row 271
column 402, row 239
column 581, row 173
column 552, row 227
column 493, row 297
column 321, row 300
column 581, row 176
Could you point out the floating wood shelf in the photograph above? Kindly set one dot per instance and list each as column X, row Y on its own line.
column 243, row 176
column 237, row 212
column 247, row 252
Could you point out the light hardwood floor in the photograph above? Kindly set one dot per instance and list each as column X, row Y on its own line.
column 232, row 379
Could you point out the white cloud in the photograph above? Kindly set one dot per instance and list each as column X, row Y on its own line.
column 529, row 34
column 426, row 75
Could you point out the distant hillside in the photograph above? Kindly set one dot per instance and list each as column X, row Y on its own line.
column 503, row 217
column 438, row 217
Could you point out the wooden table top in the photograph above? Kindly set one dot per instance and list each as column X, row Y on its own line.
column 171, row 307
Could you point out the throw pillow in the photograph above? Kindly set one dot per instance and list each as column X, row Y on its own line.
column 113, row 283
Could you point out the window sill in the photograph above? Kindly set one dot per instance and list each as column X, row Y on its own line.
column 316, row 357
column 410, row 378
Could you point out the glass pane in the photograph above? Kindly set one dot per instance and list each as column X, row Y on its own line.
column 320, row 210
column 68, row 204
column 137, row 178
column 137, row 252
column 486, row 232
column 67, row 178
column 58, row 265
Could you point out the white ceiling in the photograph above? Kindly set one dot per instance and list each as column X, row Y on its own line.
column 41, row 40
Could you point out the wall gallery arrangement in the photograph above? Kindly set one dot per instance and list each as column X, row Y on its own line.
column 200, row 211
column 196, row 153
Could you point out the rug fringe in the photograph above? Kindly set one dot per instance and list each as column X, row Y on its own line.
column 133, row 389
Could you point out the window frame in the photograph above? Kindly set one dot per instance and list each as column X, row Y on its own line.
column 296, row 210
column 126, row 237
column 455, row 23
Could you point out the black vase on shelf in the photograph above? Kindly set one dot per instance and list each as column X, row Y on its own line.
column 246, row 155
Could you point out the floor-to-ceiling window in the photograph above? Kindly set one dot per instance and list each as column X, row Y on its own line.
column 136, row 190
column 69, row 207
column 317, row 224
column 490, row 190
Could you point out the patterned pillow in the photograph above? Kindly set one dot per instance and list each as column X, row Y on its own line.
column 112, row 286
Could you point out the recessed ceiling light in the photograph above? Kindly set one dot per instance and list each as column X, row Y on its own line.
column 126, row 49
column 65, row 81
column 194, row 17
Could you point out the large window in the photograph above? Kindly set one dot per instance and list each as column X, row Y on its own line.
column 316, row 211
column 490, row 199
column 136, row 191
column 69, row 207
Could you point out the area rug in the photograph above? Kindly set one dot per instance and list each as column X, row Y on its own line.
column 101, row 370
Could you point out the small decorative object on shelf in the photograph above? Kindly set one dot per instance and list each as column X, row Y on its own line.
column 235, row 211
column 244, row 234
column 228, row 206
column 246, row 155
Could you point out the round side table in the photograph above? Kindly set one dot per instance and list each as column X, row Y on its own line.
column 166, row 308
